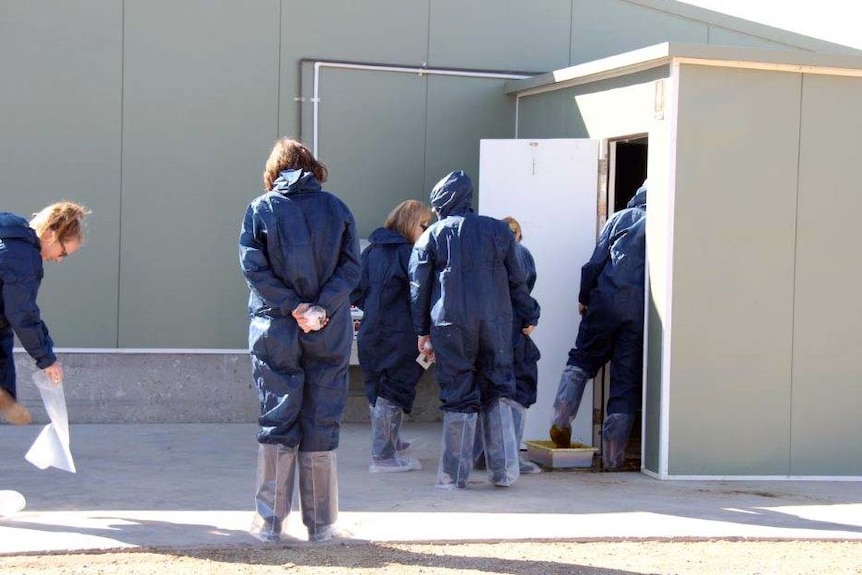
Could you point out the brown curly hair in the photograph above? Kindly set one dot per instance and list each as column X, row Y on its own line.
column 290, row 154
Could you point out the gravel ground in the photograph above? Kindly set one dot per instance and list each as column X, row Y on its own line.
column 515, row 558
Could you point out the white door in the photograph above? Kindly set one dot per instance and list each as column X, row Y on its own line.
column 550, row 187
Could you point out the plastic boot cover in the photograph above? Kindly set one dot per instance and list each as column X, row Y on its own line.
column 615, row 436
column 276, row 473
column 318, row 493
column 569, row 394
column 479, row 448
column 403, row 447
column 501, row 442
column 519, row 419
column 456, row 454
column 385, row 424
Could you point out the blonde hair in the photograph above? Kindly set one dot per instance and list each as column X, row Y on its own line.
column 65, row 219
column 406, row 216
column 514, row 226
column 290, row 154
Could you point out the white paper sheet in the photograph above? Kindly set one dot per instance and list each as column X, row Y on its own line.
column 51, row 448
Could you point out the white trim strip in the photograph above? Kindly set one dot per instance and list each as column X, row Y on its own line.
column 848, row 478
column 853, row 478
column 664, row 421
column 773, row 67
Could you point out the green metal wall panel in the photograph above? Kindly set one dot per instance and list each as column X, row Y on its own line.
column 372, row 136
column 827, row 395
column 461, row 111
column 733, row 267
column 160, row 115
column 609, row 27
column 200, row 115
column 371, row 31
column 500, row 34
column 60, row 121
column 550, row 115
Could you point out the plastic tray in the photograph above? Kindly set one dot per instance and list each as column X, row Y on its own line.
column 545, row 453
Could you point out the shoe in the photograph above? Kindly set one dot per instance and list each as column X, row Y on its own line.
column 561, row 436
column 12, row 411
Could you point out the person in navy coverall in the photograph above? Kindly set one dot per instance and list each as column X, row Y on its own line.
column 525, row 358
column 386, row 341
column 611, row 301
column 53, row 234
column 465, row 280
column 300, row 256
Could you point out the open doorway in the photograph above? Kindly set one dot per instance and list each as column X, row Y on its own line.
column 627, row 170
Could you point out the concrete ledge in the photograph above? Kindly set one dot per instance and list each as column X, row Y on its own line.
column 178, row 388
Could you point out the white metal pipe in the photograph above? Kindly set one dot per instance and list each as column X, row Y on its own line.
column 397, row 69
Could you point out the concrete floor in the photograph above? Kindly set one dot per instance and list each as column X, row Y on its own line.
column 181, row 485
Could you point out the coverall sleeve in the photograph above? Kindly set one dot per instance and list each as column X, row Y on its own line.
column 357, row 296
column 254, row 259
column 421, row 269
column 19, row 298
column 336, row 291
column 529, row 269
column 523, row 304
column 591, row 270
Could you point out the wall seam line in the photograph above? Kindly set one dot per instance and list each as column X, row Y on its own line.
column 793, row 282
column 427, row 89
column 278, row 76
column 122, row 161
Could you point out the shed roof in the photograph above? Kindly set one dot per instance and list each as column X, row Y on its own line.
column 670, row 52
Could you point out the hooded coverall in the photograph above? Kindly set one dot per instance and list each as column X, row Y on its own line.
column 466, row 278
column 612, row 290
column 299, row 245
column 386, row 340
column 20, row 277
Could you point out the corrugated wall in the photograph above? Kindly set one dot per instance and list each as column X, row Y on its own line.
column 159, row 114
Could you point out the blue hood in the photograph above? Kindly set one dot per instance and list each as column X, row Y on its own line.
column 291, row 182
column 14, row 227
column 386, row 236
column 453, row 195
column 639, row 199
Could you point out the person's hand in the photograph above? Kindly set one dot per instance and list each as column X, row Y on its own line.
column 527, row 330
column 299, row 315
column 300, row 309
column 582, row 309
column 305, row 324
column 425, row 347
column 54, row 372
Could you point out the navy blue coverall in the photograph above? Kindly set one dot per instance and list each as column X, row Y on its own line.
column 525, row 353
column 612, row 289
column 386, row 340
column 299, row 245
column 465, row 279
column 20, row 277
